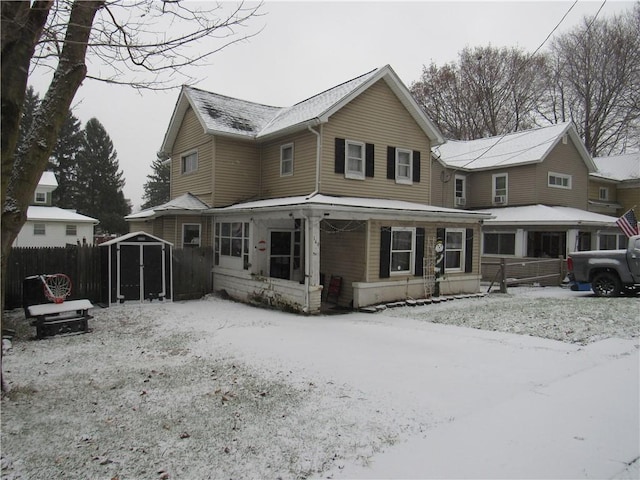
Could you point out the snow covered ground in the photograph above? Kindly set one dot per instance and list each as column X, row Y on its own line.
column 538, row 383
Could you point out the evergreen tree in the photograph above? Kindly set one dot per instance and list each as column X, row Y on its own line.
column 64, row 164
column 100, row 182
column 31, row 105
column 156, row 188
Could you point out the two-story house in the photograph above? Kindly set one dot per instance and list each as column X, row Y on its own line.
column 535, row 183
column 49, row 226
column 335, row 186
column 613, row 190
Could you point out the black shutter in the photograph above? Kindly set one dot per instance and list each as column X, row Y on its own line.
column 385, row 252
column 440, row 235
column 391, row 163
column 416, row 166
column 369, row 160
column 468, row 251
column 339, row 166
column 419, row 264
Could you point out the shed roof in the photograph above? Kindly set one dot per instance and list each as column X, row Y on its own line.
column 518, row 148
column 222, row 115
column 133, row 236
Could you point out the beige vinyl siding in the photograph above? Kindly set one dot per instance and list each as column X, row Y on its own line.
column 629, row 197
column 303, row 179
column 376, row 116
column 191, row 137
column 566, row 160
column 343, row 254
column 141, row 226
column 521, row 187
column 594, row 190
column 237, row 171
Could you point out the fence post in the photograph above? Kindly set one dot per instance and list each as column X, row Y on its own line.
column 503, row 275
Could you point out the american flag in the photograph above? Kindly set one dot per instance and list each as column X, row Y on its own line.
column 628, row 223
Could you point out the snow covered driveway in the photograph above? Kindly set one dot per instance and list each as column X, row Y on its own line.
column 215, row 389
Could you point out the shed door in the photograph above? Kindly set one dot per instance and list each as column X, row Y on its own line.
column 153, row 274
column 130, row 272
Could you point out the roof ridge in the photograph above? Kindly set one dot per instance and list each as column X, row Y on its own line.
column 208, row 92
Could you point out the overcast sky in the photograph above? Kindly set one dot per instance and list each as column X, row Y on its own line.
column 307, row 47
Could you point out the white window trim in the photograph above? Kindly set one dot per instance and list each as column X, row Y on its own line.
column 412, row 261
column 36, row 230
column 463, row 249
column 354, row 174
column 282, row 160
column 562, row 176
column 183, row 157
column 401, row 179
column 463, row 178
column 603, row 193
column 494, row 177
column 199, row 234
column 66, row 230
column 44, row 199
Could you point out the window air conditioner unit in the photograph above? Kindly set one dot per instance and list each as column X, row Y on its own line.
column 461, row 201
column 500, row 199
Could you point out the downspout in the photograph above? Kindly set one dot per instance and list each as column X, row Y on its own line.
column 307, row 226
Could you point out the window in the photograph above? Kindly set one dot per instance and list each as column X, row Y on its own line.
column 190, row 235
column 354, row 160
column 460, row 196
column 71, row 230
column 559, row 180
column 612, row 241
column 284, row 253
column 404, row 166
column 499, row 243
column 41, row 197
column 500, row 188
column 454, row 249
column 603, row 193
column 39, row 229
column 190, row 162
column 286, row 160
column 232, row 240
column 402, row 248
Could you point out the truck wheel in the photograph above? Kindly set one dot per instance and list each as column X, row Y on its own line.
column 606, row 284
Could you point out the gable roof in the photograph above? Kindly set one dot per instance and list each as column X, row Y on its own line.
column 222, row 115
column 56, row 214
column 136, row 236
column 618, row 167
column 185, row 203
column 518, row 148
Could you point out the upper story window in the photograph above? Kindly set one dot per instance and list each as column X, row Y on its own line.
column 402, row 250
column 404, row 166
column 41, row 197
column 39, row 229
column 190, row 235
column 460, row 195
column 559, row 180
column 71, row 230
column 286, row 160
column 603, row 193
column 189, row 162
column 354, row 160
column 500, row 190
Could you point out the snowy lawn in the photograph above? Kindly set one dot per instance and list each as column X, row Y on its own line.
column 538, row 383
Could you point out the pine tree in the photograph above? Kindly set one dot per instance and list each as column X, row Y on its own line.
column 156, row 188
column 64, row 164
column 100, row 182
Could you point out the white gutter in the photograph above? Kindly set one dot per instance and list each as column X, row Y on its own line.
column 318, row 154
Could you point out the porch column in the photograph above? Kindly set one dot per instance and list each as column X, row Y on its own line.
column 312, row 245
column 572, row 241
column 521, row 243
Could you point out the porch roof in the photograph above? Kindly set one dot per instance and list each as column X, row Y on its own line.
column 184, row 204
column 535, row 215
column 351, row 207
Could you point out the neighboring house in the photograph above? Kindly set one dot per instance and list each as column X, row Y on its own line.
column 614, row 189
column 336, row 186
column 535, row 183
column 49, row 226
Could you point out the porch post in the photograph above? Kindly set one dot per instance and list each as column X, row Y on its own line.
column 312, row 262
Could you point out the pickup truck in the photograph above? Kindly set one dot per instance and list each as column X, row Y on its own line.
column 610, row 272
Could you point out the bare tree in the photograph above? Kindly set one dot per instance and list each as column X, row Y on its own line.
column 594, row 80
column 489, row 91
column 145, row 43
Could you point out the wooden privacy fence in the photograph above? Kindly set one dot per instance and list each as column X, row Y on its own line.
column 191, row 271
column 513, row 271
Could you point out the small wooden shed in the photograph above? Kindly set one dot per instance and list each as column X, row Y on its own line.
column 139, row 268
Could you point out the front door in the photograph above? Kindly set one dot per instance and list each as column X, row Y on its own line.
column 281, row 254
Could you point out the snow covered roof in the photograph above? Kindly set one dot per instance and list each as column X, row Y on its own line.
column 55, row 214
column 519, row 148
column 618, row 167
column 47, row 182
column 131, row 235
column 184, row 203
column 222, row 115
column 547, row 215
column 351, row 205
